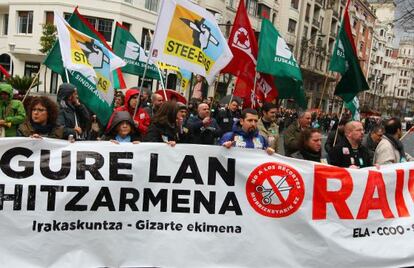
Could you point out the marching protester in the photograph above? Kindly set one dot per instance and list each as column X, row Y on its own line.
column 336, row 135
column 164, row 126
column 41, row 120
column 141, row 119
column 292, row 133
column 204, row 129
column 310, row 144
column 372, row 139
column 156, row 102
column 245, row 133
column 267, row 125
column 122, row 129
column 12, row 111
column 350, row 152
column 390, row 149
column 73, row 115
column 227, row 117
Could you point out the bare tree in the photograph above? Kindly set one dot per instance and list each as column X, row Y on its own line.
column 405, row 17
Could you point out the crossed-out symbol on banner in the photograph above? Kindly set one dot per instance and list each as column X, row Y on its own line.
column 275, row 189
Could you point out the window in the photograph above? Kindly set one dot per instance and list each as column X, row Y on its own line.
column 67, row 16
column 49, row 17
column 308, row 7
column 126, row 25
column 251, row 6
column 151, row 5
column 31, row 69
column 146, row 38
column 54, row 77
column 294, row 4
column 25, row 22
column 292, row 26
column 5, row 24
column 103, row 26
column 264, row 11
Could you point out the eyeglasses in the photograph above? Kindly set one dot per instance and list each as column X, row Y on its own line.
column 40, row 110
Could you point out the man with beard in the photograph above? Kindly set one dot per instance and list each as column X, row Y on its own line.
column 292, row 133
column 245, row 133
column 390, row 149
column 267, row 125
column 350, row 152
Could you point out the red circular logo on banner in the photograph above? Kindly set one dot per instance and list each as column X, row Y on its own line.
column 275, row 190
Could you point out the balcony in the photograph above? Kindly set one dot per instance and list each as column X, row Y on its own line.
column 335, row 14
column 316, row 23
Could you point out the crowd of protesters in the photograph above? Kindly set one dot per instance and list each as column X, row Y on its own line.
column 145, row 117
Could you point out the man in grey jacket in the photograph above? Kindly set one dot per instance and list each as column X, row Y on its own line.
column 390, row 149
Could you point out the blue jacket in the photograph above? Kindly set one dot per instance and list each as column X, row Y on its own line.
column 244, row 140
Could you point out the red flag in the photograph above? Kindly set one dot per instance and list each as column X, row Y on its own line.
column 243, row 45
column 4, row 71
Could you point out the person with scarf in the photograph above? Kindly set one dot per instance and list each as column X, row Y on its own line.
column 41, row 120
column 310, row 145
column 12, row 112
column 73, row 115
column 245, row 133
column 390, row 149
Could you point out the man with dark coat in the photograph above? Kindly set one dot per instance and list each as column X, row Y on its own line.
column 204, row 129
column 227, row 117
column 372, row 139
column 73, row 115
column 350, row 153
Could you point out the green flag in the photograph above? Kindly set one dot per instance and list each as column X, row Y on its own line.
column 126, row 47
column 275, row 58
column 353, row 106
column 97, row 96
column 345, row 61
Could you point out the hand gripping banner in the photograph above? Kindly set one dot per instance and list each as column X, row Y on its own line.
column 150, row 205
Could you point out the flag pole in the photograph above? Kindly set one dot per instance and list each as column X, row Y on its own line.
column 146, row 67
column 162, row 83
column 36, row 78
column 254, row 87
column 340, row 118
column 323, row 91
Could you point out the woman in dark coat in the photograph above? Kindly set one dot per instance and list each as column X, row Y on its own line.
column 164, row 127
column 310, row 144
column 41, row 120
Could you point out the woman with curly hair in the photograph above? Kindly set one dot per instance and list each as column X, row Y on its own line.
column 41, row 120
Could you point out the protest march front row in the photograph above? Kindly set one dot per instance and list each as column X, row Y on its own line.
column 151, row 205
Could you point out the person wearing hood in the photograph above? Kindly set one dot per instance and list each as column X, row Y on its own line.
column 141, row 119
column 390, row 149
column 12, row 112
column 73, row 115
column 245, row 133
column 122, row 129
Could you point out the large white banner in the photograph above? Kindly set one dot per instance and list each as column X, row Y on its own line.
column 97, row 204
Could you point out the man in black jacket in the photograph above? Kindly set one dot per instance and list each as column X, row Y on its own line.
column 350, row 152
column 204, row 129
column 227, row 117
column 73, row 115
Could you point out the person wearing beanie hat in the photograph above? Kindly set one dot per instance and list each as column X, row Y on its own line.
column 12, row 112
column 73, row 115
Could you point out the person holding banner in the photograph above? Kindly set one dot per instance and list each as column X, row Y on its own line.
column 310, row 143
column 41, row 120
column 390, row 149
column 141, row 118
column 245, row 133
column 12, row 111
column 73, row 115
column 122, row 129
column 350, row 153
column 164, row 126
